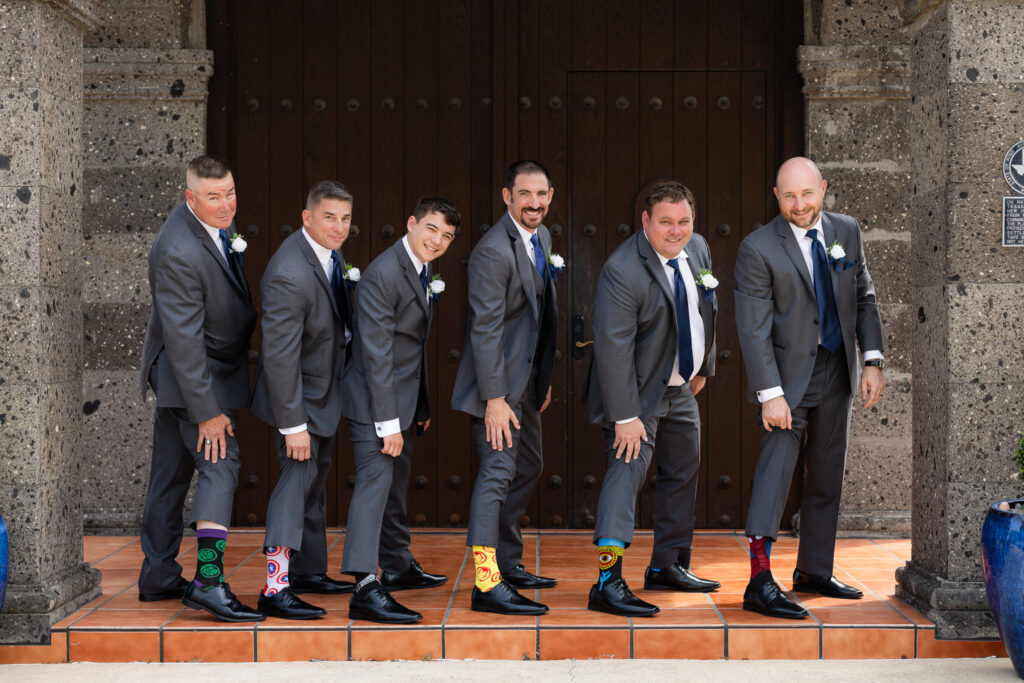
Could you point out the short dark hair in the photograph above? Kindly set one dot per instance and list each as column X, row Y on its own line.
column 524, row 167
column 208, row 166
column 438, row 205
column 669, row 190
column 327, row 189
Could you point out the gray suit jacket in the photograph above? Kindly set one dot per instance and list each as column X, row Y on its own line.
column 505, row 328
column 388, row 374
column 777, row 310
column 200, row 323
column 302, row 355
column 635, row 335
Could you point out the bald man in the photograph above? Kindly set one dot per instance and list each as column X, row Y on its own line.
column 804, row 298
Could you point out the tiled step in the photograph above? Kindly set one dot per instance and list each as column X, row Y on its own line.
column 116, row 627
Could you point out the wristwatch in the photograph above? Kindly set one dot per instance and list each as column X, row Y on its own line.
column 876, row 363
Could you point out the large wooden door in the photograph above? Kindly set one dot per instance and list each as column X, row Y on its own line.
column 401, row 99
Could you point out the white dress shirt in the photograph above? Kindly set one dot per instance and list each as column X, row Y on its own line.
column 805, row 249
column 527, row 235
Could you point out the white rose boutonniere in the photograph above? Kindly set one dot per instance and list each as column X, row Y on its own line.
column 238, row 244
column 556, row 264
column 435, row 287
column 351, row 275
column 837, row 257
column 707, row 282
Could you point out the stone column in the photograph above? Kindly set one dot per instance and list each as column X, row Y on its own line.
column 857, row 92
column 41, row 313
column 968, row 84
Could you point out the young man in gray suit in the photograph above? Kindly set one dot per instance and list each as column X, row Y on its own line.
column 504, row 383
column 654, row 347
column 306, row 326
column 386, row 402
column 195, row 358
column 804, row 298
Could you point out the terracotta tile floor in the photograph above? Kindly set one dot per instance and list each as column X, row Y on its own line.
column 116, row 627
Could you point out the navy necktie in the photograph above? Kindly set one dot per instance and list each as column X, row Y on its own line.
column 538, row 255
column 831, row 334
column 338, row 285
column 685, row 349
column 225, row 244
column 423, row 281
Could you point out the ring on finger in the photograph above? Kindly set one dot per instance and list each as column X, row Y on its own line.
column 207, row 442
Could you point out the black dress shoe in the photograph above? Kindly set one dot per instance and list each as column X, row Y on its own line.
column 764, row 595
column 826, row 585
column 373, row 603
column 220, row 602
column 677, row 578
column 522, row 579
column 174, row 593
column 413, row 577
column 503, row 599
column 284, row 604
column 318, row 583
column 616, row 598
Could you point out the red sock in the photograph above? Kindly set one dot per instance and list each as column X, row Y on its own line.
column 760, row 552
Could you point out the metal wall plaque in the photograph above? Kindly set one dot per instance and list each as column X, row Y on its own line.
column 1013, row 167
column 1013, row 221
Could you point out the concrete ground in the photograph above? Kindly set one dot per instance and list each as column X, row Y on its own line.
column 606, row 671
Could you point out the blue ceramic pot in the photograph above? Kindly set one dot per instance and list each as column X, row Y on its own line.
column 1002, row 555
column 3, row 562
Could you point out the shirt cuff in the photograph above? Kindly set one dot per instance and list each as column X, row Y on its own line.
column 622, row 422
column 293, row 430
column 388, row 428
column 873, row 355
column 768, row 394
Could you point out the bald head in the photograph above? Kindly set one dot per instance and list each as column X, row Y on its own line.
column 800, row 190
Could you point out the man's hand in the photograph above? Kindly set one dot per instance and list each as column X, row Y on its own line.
column 628, row 436
column 872, row 382
column 393, row 445
column 425, row 425
column 496, row 421
column 297, row 445
column 775, row 413
column 547, row 401
column 697, row 383
column 211, row 440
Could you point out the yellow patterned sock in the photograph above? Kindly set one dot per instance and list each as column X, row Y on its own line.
column 487, row 574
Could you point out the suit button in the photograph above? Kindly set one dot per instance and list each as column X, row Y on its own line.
column 813, row 354
column 530, row 359
column 664, row 380
column 815, row 321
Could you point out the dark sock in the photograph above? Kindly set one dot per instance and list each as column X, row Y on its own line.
column 683, row 557
column 210, row 557
column 609, row 561
column 760, row 554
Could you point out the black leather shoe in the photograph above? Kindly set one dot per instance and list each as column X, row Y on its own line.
column 764, row 595
column 616, row 598
column 522, row 579
column 220, row 602
column 286, row 605
column 826, row 585
column 169, row 594
column 373, row 603
column 677, row 578
column 503, row 599
column 318, row 583
column 413, row 577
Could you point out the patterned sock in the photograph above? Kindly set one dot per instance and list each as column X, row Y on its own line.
column 278, row 557
column 609, row 560
column 760, row 555
column 210, row 557
column 366, row 580
column 487, row 574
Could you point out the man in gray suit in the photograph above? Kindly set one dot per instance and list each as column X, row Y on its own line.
column 195, row 358
column 306, row 324
column 504, row 383
column 804, row 298
column 654, row 347
column 386, row 402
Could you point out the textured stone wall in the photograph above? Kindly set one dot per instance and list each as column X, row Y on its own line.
column 968, row 334
column 41, row 315
column 856, row 72
column 145, row 118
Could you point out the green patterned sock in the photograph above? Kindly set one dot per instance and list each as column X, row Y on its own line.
column 210, row 557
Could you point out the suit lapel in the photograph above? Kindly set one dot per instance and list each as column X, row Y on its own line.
column 703, row 304
column 792, row 250
column 318, row 270
column 411, row 276
column 828, row 231
column 654, row 266
column 214, row 249
column 523, row 265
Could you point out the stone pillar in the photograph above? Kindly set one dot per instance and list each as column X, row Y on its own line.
column 145, row 119
column 968, row 84
column 857, row 92
column 41, row 313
